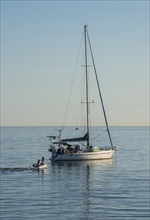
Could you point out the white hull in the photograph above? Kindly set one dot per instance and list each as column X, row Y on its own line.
column 101, row 155
column 41, row 167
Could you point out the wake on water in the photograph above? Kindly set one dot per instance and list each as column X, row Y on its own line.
column 16, row 169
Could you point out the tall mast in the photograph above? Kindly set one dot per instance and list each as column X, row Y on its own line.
column 87, row 95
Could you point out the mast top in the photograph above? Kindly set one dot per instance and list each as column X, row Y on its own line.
column 85, row 26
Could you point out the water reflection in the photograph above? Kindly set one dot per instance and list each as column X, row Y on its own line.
column 77, row 181
column 19, row 169
column 81, row 164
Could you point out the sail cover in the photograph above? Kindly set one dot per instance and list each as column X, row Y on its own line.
column 84, row 138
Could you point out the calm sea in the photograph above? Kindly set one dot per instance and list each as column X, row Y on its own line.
column 116, row 189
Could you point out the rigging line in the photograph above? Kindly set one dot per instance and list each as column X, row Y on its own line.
column 99, row 91
column 99, row 135
column 70, row 91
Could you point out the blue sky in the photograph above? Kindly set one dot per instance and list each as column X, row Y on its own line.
column 39, row 44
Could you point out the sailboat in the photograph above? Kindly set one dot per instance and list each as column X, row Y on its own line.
column 71, row 149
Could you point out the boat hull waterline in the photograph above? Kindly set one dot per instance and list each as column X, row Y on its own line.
column 101, row 155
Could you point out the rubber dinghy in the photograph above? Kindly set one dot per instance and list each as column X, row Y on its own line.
column 40, row 165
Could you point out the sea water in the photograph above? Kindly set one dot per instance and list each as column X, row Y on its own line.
column 116, row 189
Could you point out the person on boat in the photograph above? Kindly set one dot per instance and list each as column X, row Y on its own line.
column 91, row 148
column 60, row 149
column 69, row 149
column 42, row 161
column 77, row 147
column 36, row 164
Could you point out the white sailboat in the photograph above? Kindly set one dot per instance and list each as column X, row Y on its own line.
column 81, row 148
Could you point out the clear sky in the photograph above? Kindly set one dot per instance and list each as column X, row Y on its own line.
column 39, row 44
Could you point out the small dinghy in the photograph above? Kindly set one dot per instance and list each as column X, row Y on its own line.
column 40, row 165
